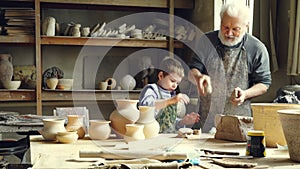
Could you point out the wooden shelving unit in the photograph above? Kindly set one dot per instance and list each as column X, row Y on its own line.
column 91, row 41
column 39, row 96
column 17, row 95
column 89, row 95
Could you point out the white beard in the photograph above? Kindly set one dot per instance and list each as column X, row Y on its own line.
column 235, row 41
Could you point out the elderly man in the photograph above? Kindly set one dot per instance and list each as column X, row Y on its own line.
column 232, row 62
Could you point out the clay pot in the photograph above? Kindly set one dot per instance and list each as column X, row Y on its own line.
column 266, row 118
column 127, row 82
column 48, row 27
column 52, row 83
column 12, row 85
column 103, row 85
column 125, row 113
column 147, row 118
column 290, row 120
column 51, row 127
column 67, row 136
column 6, row 68
column 134, row 132
column 99, row 129
column 66, row 84
column 111, row 83
column 75, row 123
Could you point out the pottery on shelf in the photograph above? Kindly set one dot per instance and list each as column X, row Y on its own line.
column 6, row 67
column 65, row 84
column 52, row 83
column 290, row 120
column 75, row 123
column 67, row 136
column 111, row 83
column 147, row 118
column 51, row 128
column 103, row 85
column 12, row 85
column 126, row 112
column 99, row 129
column 134, row 132
column 127, row 82
column 48, row 27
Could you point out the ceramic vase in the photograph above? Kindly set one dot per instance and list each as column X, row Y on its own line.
column 99, row 129
column 75, row 123
column 127, row 82
column 134, row 132
column 125, row 113
column 48, row 27
column 52, row 83
column 67, row 136
column 51, row 128
column 147, row 118
column 6, row 68
column 290, row 120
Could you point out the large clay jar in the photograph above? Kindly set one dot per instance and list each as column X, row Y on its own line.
column 134, row 132
column 147, row 118
column 99, row 129
column 290, row 120
column 125, row 113
column 51, row 128
column 6, row 68
column 52, row 83
column 127, row 82
column 75, row 123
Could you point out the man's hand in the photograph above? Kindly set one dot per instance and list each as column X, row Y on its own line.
column 237, row 96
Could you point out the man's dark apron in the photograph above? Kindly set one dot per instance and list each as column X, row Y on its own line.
column 227, row 71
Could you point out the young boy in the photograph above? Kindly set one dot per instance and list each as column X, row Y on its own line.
column 163, row 96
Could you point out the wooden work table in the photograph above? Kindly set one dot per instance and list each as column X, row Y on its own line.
column 45, row 154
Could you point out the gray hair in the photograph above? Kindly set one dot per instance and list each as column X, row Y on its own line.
column 236, row 10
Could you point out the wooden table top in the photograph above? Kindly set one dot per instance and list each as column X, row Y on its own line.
column 47, row 154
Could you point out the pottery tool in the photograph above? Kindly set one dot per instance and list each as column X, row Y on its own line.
column 125, row 154
column 234, row 163
column 206, row 151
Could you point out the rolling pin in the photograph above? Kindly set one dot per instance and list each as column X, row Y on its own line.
column 126, row 154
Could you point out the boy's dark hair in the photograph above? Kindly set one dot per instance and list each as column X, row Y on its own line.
column 171, row 65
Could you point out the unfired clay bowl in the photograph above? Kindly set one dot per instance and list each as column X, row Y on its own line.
column 66, row 84
column 290, row 120
column 12, row 85
column 67, row 136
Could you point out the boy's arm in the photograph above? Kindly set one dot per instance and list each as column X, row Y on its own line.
column 159, row 104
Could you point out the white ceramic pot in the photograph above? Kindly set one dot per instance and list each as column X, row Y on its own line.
column 99, row 129
column 51, row 128
column 67, row 136
column 290, row 120
column 127, row 82
column 52, row 83
column 147, row 118
column 75, row 123
column 134, row 132
column 11, row 85
column 125, row 113
column 65, row 84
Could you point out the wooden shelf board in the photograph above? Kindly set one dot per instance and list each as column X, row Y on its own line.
column 17, row 39
column 185, row 4
column 76, row 95
column 17, row 95
column 91, row 41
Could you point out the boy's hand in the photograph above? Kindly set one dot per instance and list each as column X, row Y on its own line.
column 181, row 97
column 190, row 119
